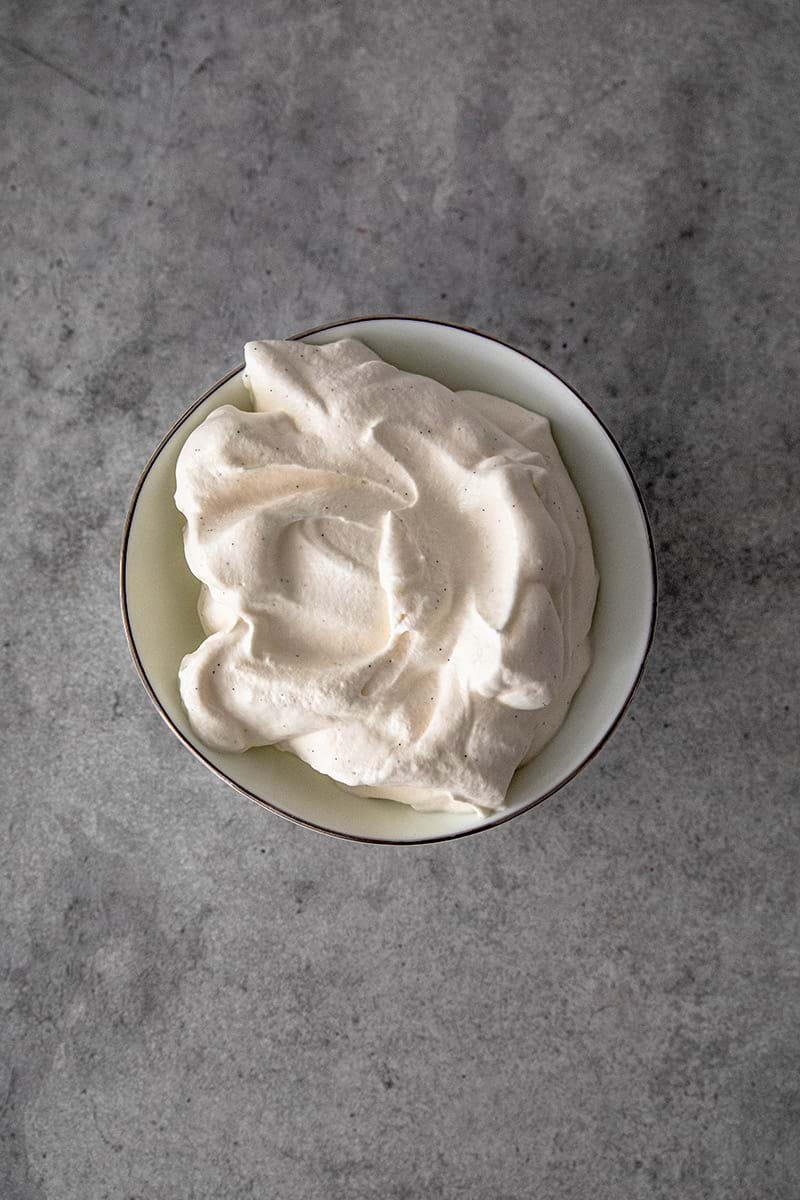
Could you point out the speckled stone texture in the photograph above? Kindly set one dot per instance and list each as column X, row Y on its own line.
column 600, row 999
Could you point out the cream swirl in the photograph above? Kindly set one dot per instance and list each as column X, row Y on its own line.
column 398, row 579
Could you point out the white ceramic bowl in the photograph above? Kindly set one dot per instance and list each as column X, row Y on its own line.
column 159, row 594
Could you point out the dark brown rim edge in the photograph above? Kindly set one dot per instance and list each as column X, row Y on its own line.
column 351, row 837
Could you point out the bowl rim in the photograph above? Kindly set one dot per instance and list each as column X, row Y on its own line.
column 499, row 819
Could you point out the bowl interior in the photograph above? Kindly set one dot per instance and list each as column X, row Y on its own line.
column 160, row 593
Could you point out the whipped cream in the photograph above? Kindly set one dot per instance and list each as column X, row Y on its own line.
column 398, row 579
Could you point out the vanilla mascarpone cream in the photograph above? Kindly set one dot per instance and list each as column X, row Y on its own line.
column 398, row 579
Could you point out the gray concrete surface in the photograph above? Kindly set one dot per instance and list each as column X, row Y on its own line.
column 598, row 1000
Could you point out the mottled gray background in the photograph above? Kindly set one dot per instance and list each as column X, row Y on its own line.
column 599, row 1000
